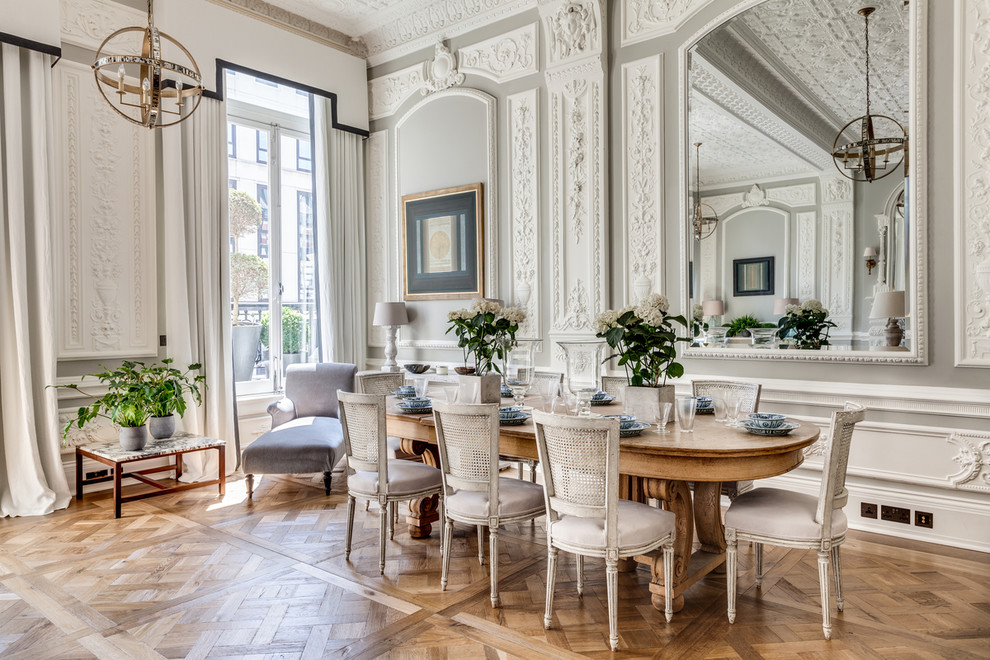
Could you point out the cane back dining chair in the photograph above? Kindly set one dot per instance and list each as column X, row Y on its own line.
column 797, row 520
column 372, row 476
column 749, row 394
column 467, row 439
column 580, row 459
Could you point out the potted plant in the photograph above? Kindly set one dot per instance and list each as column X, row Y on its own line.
column 168, row 387
column 483, row 331
column 248, row 277
column 699, row 327
column 295, row 334
column 127, row 403
column 807, row 323
column 739, row 327
column 645, row 344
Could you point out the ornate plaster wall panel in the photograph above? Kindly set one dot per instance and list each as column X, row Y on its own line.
column 708, row 283
column 722, row 203
column 974, row 461
column 807, row 267
column 524, row 195
column 646, row 19
column 106, row 256
column 800, row 195
column 505, row 57
column 573, row 30
column 972, row 216
column 642, row 146
column 376, row 205
column 87, row 23
column 837, row 264
column 387, row 93
column 440, row 72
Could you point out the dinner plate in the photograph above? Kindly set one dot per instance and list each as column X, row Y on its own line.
column 414, row 411
column 783, row 429
column 603, row 401
column 518, row 420
column 635, row 429
column 399, row 394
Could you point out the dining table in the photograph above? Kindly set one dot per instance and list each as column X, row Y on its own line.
column 683, row 470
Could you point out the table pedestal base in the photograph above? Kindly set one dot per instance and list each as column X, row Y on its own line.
column 424, row 512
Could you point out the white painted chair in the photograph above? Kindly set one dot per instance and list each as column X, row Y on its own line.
column 553, row 377
column 467, row 437
column 580, row 459
column 371, row 476
column 796, row 520
column 750, row 395
column 612, row 385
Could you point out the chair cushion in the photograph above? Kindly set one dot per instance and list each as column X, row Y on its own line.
column 515, row 498
column 312, row 388
column 403, row 477
column 639, row 525
column 780, row 513
column 304, row 444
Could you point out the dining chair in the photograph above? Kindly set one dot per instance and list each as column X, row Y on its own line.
column 580, row 459
column 750, row 396
column 612, row 385
column 798, row 520
column 468, row 440
column 372, row 476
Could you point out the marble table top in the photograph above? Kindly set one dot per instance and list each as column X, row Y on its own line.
column 180, row 441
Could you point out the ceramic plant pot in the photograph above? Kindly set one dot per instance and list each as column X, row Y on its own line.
column 133, row 438
column 161, row 427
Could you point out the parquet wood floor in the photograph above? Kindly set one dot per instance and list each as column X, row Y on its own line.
column 190, row 576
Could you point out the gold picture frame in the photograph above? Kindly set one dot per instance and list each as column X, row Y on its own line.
column 442, row 244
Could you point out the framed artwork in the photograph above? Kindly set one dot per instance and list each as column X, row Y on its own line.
column 442, row 233
column 752, row 277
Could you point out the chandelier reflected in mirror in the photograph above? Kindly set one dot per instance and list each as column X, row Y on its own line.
column 704, row 220
column 134, row 76
column 870, row 157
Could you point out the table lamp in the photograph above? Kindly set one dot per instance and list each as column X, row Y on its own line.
column 712, row 308
column 390, row 315
column 890, row 304
column 780, row 305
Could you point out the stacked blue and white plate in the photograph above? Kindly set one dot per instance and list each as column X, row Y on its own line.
column 405, row 392
column 512, row 416
column 601, row 398
column 704, row 406
column 506, row 392
column 768, row 424
column 628, row 426
column 415, row 405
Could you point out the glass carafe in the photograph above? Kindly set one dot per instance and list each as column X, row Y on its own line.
column 584, row 370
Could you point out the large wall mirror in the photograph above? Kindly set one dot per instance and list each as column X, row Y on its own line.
column 768, row 90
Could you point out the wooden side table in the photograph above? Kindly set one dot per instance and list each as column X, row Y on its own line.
column 115, row 457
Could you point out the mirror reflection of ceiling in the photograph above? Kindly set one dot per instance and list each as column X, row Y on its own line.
column 352, row 17
column 772, row 87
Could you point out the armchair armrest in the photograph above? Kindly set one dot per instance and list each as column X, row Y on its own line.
column 282, row 411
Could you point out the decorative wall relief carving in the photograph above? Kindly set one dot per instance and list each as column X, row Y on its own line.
column 577, row 155
column 441, row 72
column 573, row 31
column 974, row 461
column 524, row 193
column 646, row 19
column 800, row 195
column 755, row 197
column 708, row 283
column 641, row 196
column 837, row 278
column 105, row 240
column 505, row 57
column 806, row 268
column 722, row 203
column 387, row 93
column 376, row 214
column 972, row 219
column 87, row 23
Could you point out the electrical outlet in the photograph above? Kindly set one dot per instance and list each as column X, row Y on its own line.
column 97, row 474
column 895, row 514
column 924, row 519
column 867, row 510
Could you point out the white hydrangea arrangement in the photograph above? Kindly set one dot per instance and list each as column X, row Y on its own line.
column 484, row 330
column 807, row 323
column 644, row 340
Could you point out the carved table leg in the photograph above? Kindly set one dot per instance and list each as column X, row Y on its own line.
column 676, row 497
column 708, row 517
column 425, row 511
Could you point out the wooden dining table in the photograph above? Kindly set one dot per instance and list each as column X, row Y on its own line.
column 653, row 465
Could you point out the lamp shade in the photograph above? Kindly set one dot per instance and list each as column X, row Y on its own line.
column 780, row 305
column 390, row 313
column 888, row 304
column 713, row 307
column 870, row 252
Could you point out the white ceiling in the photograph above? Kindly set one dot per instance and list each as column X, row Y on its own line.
column 352, row 17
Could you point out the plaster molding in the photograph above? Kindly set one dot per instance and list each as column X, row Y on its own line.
column 574, row 31
column 441, row 72
column 524, row 193
column 793, row 196
column 286, row 20
column 837, row 246
column 642, row 198
column 428, row 344
column 708, row 275
column 722, row 204
column 972, row 192
column 387, row 93
column 376, row 195
column 503, row 58
column 647, row 19
column 974, row 461
column 86, row 23
column 755, row 197
column 807, row 266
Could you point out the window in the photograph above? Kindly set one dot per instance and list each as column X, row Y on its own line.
column 304, row 158
column 304, row 246
column 232, row 183
column 263, row 228
column 261, row 141
column 265, row 82
column 231, row 140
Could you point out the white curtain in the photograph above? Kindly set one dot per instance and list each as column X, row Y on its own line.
column 340, row 240
column 197, row 286
column 32, row 479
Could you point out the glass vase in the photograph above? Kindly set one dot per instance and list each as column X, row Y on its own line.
column 584, row 371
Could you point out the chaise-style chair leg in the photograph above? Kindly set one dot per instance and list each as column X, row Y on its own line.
column 391, row 520
column 250, row 485
column 326, row 482
column 481, row 545
column 382, row 531
column 668, row 581
column 580, row 574
column 350, row 526
column 731, row 561
column 493, row 564
column 612, row 584
column 551, row 579
column 447, row 541
column 758, row 552
column 823, row 556
column 837, row 572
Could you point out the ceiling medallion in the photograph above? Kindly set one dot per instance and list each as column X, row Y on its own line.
column 871, row 157
column 145, row 88
column 704, row 220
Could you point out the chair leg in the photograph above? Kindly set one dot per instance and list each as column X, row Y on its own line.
column 250, row 485
column 446, row 542
column 481, row 545
column 350, row 526
column 391, row 520
column 551, row 579
column 580, row 574
column 519, row 466
column 758, row 552
column 326, row 482
column 668, row 581
column 612, row 584
column 532, row 472
column 823, row 562
column 837, row 572
column 493, row 563
column 731, row 561
column 382, row 531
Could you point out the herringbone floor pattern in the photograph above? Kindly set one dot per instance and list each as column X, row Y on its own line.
column 189, row 576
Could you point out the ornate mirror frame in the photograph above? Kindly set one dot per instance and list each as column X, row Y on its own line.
column 918, row 193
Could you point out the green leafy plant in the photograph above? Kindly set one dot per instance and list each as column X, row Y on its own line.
column 644, row 340
column 484, row 330
column 807, row 323
column 295, row 330
column 170, row 385
column 127, row 401
column 739, row 327
column 248, row 276
column 698, row 324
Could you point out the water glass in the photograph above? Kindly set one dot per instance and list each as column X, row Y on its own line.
column 733, row 404
column 547, row 389
column 686, row 407
column 450, row 392
column 420, row 384
column 661, row 413
column 721, row 410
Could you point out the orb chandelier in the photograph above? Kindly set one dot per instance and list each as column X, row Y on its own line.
column 704, row 220
column 146, row 88
column 870, row 157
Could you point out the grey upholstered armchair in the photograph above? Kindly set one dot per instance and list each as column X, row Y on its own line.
column 306, row 435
